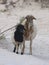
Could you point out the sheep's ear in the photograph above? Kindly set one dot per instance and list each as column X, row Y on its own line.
column 30, row 16
column 27, row 17
column 23, row 23
column 33, row 18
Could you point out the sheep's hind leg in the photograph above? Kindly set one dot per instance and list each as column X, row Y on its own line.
column 30, row 46
column 22, row 52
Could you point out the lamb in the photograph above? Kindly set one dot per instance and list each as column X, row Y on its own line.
column 18, row 36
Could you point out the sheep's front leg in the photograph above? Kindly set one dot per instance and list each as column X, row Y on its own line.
column 23, row 48
column 14, row 49
column 30, row 46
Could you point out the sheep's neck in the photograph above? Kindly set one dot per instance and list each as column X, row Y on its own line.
column 28, row 30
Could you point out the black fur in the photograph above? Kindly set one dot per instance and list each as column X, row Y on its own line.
column 18, row 34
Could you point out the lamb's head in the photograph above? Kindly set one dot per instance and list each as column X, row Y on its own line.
column 20, row 28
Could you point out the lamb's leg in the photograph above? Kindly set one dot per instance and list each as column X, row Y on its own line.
column 30, row 46
column 17, row 48
column 22, row 52
column 14, row 49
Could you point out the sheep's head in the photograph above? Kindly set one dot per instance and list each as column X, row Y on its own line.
column 30, row 18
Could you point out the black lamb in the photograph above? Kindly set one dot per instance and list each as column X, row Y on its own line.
column 18, row 34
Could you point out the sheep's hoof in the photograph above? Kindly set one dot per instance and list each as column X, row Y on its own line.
column 16, row 52
column 21, row 53
column 30, row 54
